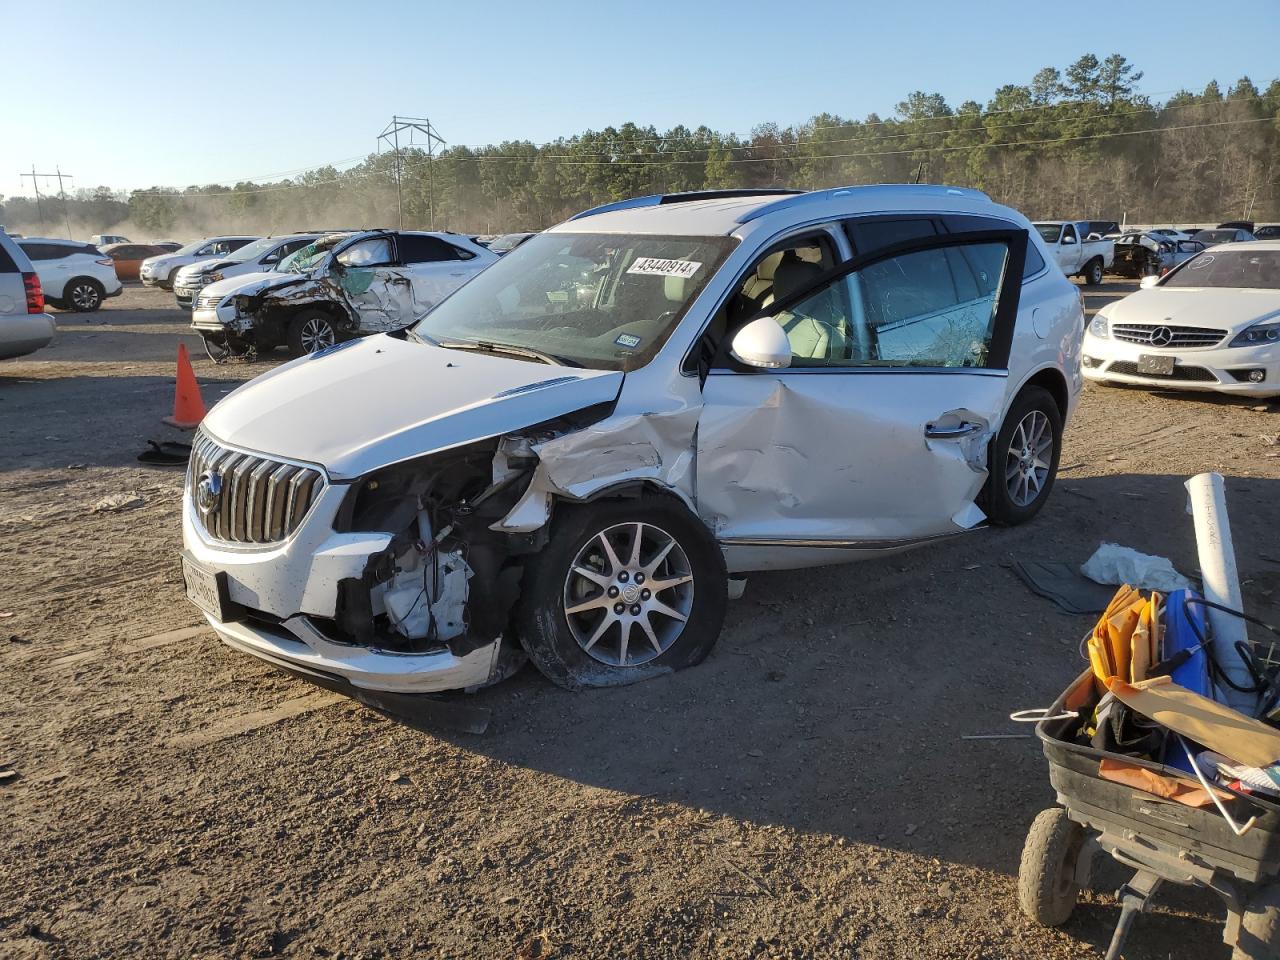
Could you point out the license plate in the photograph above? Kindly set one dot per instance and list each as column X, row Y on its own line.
column 207, row 589
column 1156, row 365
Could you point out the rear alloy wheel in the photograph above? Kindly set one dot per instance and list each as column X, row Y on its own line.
column 83, row 295
column 311, row 331
column 1024, row 458
column 1093, row 273
column 624, row 590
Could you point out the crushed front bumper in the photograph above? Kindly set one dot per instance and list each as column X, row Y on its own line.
column 297, row 645
column 291, row 581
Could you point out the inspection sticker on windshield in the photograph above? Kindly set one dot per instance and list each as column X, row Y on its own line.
column 629, row 340
column 657, row 267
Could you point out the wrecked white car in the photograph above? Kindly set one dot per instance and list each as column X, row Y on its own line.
column 341, row 286
column 572, row 455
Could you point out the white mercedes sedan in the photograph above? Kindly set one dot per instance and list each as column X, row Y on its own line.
column 1212, row 323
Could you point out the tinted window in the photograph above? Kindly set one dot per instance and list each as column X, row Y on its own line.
column 416, row 248
column 956, row 223
column 6, row 262
column 48, row 251
column 868, row 236
column 236, row 244
column 1069, row 234
column 930, row 308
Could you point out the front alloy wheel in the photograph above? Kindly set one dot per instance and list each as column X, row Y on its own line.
column 628, row 594
column 310, row 332
column 624, row 590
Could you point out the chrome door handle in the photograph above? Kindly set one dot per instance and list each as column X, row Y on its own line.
column 963, row 429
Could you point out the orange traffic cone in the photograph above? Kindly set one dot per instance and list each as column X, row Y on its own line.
column 188, row 406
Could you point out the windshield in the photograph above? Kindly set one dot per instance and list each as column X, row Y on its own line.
column 1048, row 231
column 606, row 301
column 507, row 242
column 252, row 251
column 191, row 247
column 1216, row 236
column 1251, row 269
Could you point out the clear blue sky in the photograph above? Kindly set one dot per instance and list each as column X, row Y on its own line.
column 137, row 94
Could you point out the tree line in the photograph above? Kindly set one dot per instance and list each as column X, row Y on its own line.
column 1079, row 142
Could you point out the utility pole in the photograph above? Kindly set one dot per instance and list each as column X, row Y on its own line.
column 391, row 134
column 62, row 194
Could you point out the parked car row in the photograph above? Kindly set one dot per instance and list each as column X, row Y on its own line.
column 336, row 287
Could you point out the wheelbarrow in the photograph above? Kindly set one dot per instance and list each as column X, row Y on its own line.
column 1160, row 840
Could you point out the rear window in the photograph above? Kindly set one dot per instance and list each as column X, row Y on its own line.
column 416, row 248
column 6, row 261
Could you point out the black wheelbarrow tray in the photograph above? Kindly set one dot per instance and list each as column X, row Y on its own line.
column 1159, row 839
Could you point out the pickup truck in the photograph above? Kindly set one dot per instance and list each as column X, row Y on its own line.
column 1077, row 253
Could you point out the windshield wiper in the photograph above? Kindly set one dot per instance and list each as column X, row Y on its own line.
column 491, row 346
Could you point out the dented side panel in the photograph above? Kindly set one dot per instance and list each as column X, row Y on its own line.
column 843, row 456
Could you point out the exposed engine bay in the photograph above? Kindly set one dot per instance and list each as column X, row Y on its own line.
column 447, row 579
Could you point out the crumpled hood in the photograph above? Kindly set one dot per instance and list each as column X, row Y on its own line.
column 1215, row 307
column 247, row 284
column 205, row 266
column 368, row 403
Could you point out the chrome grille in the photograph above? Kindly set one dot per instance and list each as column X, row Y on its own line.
column 208, row 301
column 1145, row 333
column 261, row 500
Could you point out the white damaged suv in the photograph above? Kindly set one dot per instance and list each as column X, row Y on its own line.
column 571, row 455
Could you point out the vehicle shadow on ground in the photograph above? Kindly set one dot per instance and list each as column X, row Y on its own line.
column 53, row 421
column 1222, row 400
column 837, row 699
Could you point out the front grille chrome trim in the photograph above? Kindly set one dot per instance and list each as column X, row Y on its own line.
column 263, row 499
column 1178, row 336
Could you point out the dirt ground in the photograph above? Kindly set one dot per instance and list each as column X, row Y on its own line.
column 803, row 793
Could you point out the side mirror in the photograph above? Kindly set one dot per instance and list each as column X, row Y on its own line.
column 269, row 259
column 1148, row 282
column 762, row 343
column 1068, row 239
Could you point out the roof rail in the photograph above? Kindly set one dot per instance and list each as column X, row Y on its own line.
column 662, row 199
column 817, row 196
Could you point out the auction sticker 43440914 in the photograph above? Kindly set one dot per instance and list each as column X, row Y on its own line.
column 657, row 267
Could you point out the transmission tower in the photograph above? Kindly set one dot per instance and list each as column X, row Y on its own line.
column 62, row 194
column 391, row 134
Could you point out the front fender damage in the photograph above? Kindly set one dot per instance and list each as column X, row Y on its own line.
column 655, row 448
column 462, row 523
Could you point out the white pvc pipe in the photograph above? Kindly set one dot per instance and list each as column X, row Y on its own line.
column 1221, row 584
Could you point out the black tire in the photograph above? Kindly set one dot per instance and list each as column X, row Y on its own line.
column 1003, row 507
column 167, row 282
column 542, row 620
column 1260, row 927
column 1047, row 888
column 1093, row 272
column 311, row 331
column 82, row 294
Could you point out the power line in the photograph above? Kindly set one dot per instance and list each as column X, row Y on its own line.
column 704, row 143
column 571, row 160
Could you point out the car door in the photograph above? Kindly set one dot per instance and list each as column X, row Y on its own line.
column 375, row 285
column 876, row 435
column 1068, row 249
column 434, row 266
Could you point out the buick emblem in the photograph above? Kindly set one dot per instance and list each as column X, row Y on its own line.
column 1161, row 337
column 208, row 493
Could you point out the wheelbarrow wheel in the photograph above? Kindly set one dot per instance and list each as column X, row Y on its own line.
column 1259, row 937
column 1047, row 887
